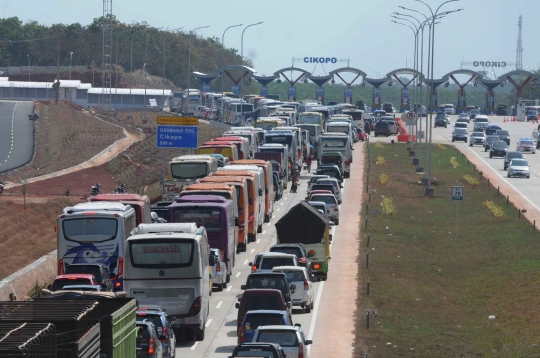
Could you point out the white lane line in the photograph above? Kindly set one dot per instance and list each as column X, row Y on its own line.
column 246, row 262
column 264, row 232
column 286, row 197
column 268, row 224
column 273, row 217
column 258, row 241
column 197, row 343
column 238, row 274
column 229, row 288
column 219, row 304
column 504, row 179
column 208, row 323
column 278, row 209
column 281, row 203
column 252, row 251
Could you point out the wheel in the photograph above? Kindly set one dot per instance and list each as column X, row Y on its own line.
column 491, row 156
column 508, row 175
column 252, row 237
column 453, row 140
column 528, row 176
column 199, row 334
column 228, row 278
column 224, row 285
column 336, row 221
column 260, row 229
column 470, row 144
column 307, row 308
column 219, row 287
column 505, row 167
column 485, row 149
column 266, row 218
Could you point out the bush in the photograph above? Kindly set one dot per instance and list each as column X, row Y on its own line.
column 471, row 180
column 379, row 145
column 440, row 146
column 381, row 160
column 35, row 291
column 383, row 179
column 453, row 162
column 497, row 211
column 388, row 206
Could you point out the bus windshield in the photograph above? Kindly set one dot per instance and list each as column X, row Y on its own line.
column 244, row 108
column 266, row 125
column 207, row 217
column 338, row 129
column 334, row 142
column 310, row 119
column 90, row 229
column 188, row 170
column 161, row 254
column 279, row 139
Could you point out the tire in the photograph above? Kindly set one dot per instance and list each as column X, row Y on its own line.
column 198, row 334
column 336, row 221
column 224, row 285
column 266, row 218
column 228, row 278
column 307, row 308
column 508, row 175
column 491, row 156
column 528, row 176
column 453, row 140
column 470, row 145
column 219, row 287
column 252, row 237
column 260, row 229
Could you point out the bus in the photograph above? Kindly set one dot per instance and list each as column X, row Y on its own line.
column 95, row 233
column 311, row 118
column 336, row 142
column 185, row 170
column 141, row 204
column 236, row 111
column 190, row 101
column 267, row 123
column 168, row 265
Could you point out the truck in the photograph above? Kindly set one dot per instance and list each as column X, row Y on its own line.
column 86, row 324
column 305, row 226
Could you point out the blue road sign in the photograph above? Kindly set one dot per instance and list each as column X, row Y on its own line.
column 177, row 136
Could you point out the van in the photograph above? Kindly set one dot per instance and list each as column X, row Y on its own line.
column 141, row 204
column 243, row 208
column 268, row 183
column 158, row 252
column 340, row 127
column 212, row 147
column 260, row 185
column 251, row 136
column 267, row 123
column 254, row 194
column 260, row 299
column 216, row 215
column 449, row 109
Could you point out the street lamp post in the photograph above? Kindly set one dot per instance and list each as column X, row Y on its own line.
column 223, row 79
column 189, row 59
column 28, row 67
column 144, row 73
column 241, row 61
column 70, row 59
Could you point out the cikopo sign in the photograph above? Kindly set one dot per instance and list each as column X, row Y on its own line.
column 320, row 60
column 489, row 63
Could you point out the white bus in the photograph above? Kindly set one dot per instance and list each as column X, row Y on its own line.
column 190, row 101
column 95, row 232
column 168, row 265
column 236, row 111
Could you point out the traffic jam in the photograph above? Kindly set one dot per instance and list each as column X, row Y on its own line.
column 284, row 175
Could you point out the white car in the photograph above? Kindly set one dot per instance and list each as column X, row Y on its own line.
column 290, row 338
column 519, row 167
column 303, row 294
column 465, row 116
column 273, row 259
column 219, row 271
column 335, row 183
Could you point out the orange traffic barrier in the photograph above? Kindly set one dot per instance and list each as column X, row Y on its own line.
column 403, row 138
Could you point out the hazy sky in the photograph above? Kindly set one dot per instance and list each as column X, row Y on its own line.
column 357, row 29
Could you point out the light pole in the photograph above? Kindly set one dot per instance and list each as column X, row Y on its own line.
column 189, row 60
column 223, row 79
column 144, row 73
column 28, row 67
column 242, row 61
column 70, row 59
column 93, row 68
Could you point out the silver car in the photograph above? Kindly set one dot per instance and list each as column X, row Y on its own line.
column 465, row 116
column 477, row 138
column 519, row 167
column 219, row 271
column 291, row 339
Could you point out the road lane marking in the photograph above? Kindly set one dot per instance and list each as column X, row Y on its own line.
column 238, row 274
column 278, row 209
column 246, row 262
column 195, row 346
column 229, row 288
column 273, row 217
column 258, row 241
column 281, row 203
column 208, row 323
column 219, row 304
column 264, row 232
column 252, row 251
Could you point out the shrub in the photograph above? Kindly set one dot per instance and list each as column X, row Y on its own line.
column 35, row 291
column 379, row 145
column 388, row 206
column 453, row 162
column 383, row 178
column 497, row 211
column 439, row 146
column 471, row 180
column 381, row 160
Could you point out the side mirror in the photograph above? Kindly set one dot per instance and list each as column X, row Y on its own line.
column 331, row 237
column 237, row 305
column 293, row 287
column 49, row 287
column 243, row 287
column 308, row 342
column 225, row 259
column 211, row 260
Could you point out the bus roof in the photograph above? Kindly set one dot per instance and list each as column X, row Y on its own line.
column 97, row 206
column 193, row 157
column 118, row 197
column 222, row 179
column 311, row 113
column 185, row 228
column 207, row 186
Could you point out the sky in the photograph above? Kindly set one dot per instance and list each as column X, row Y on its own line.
column 358, row 31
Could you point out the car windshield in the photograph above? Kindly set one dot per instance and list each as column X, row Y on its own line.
column 155, row 318
column 526, row 142
column 84, row 269
column 262, row 302
column 327, row 199
column 519, row 163
column 499, row 144
column 62, row 282
column 440, row 116
column 294, row 276
column 269, row 263
column 287, row 250
column 461, row 131
column 315, row 178
column 514, row 155
column 481, row 120
column 503, row 133
column 283, row 338
column 492, row 138
column 254, row 320
column 478, row 134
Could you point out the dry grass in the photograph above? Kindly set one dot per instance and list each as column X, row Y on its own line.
column 473, row 181
column 432, row 294
column 379, row 145
column 383, row 178
column 453, row 162
column 381, row 160
column 388, row 206
column 65, row 136
column 496, row 210
column 27, row 234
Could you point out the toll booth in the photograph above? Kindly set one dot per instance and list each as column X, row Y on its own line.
column 433, row 89
column 490, row 85
column 528, row 78
column 264, row 81
column 348, row 93
column 320, row 81
column 461, row 95
column 405, row 104
column 376, row 83
column 291, row 93
column 205, row 79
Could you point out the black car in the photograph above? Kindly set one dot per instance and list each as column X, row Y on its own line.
column 258, row 350
column 532, row 116
column 294, row 249
column 504, row 135
column 382, row 128
column 148, row 340
column 331, row 170
column 163, row 327
column 275, row 280
column 460, row 134
column 492, row 129
column 278, row 186
column 440, row 120
column 509, row 156
column 498, row 149
column 490, row 139
column 388, row 107
column 101, row 273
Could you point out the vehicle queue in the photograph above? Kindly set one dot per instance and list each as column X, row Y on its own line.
column 172, row 256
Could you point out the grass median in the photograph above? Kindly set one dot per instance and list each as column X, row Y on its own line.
column 430, row 294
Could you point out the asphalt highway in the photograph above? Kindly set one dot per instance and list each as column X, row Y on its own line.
column 16, row 134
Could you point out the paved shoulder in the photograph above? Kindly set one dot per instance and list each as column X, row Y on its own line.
column 16, row 134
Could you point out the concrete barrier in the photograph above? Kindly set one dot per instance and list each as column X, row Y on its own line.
column 42, row 271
